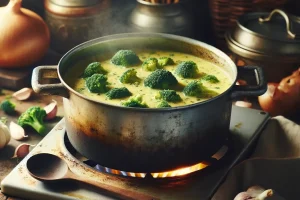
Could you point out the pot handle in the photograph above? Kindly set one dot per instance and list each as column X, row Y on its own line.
column 250, row 90
column 286, row 18
column 39, row 75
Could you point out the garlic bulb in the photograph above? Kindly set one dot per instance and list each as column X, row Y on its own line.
column 4, row 135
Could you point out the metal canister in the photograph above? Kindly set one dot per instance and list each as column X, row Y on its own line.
column 268, row 40
column 161, row 18
column 75, row 21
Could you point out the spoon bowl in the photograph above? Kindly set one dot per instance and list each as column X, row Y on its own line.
column 48, row 167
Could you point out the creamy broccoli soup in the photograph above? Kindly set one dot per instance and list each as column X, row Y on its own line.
column 151, row 97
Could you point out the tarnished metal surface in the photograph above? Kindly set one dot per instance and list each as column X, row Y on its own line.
column 146, row 141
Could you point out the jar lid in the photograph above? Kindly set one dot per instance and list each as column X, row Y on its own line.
column 75, row 3
column 259, row 35
column 75, row 8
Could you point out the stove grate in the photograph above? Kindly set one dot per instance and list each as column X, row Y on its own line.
column 181, row 172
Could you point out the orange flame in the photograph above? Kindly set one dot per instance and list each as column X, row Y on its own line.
column 173, row 173
column 181, row 171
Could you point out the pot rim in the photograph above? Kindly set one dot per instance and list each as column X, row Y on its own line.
column 147, row 35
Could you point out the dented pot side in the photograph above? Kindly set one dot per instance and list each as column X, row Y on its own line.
column 145, row 141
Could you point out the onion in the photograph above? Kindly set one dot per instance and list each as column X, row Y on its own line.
column 282, row 98
column 24, row 36
column 268, row 102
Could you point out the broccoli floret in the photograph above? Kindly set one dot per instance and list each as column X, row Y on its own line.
column 96, row 83
column 197, row 89
column 125, row 58
column 160, row 79
column 164, row 61
column 93, row 68
column 8, row 107
column 163, row 104
column 210, row 78
column 135, row 101
column 129, row 77
column 118, row 93
column 168, row 95
column 33, row 117
column 187, row 69
column 150, row 64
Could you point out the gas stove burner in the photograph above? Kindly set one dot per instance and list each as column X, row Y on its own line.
column 214, row 160
column 245, row 128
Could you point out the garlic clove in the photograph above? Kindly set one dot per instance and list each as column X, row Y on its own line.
column 265, row 194
column 254, row 194
column 243, row 196
column 51, row 110
column 241, row 82
column 17, row 132
column 23, row 94
column 244, row 104
column 22, row 150
column 255, row 190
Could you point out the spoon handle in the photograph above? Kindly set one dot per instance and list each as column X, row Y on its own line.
column 112, row 190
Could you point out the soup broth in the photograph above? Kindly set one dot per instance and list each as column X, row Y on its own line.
column 75, row 81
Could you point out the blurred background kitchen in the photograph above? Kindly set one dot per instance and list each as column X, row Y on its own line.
column 211, row 18
column 272, row 44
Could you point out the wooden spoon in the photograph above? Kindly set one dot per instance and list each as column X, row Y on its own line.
column 48, row 167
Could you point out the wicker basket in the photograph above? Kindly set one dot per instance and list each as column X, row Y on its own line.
column 225, row 12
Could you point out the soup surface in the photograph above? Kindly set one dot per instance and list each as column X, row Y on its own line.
column 74, row 80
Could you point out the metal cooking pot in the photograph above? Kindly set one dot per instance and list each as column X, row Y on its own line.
column 145, row 139
column 268, row 40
